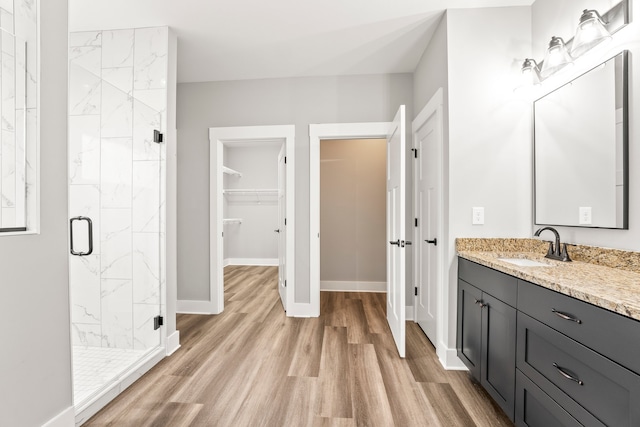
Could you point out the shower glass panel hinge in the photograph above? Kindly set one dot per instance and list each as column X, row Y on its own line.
column 157, row 322
column 157, row 136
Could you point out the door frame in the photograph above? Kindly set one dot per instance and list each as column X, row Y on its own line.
column 318, row 132
column 434, row 106
column 217, row 137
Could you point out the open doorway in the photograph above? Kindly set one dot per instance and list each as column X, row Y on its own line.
column 252, row 207
column 252, row 217
column 397, row 244
column 353, row 215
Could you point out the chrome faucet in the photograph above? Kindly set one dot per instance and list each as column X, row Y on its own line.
column 554, row 251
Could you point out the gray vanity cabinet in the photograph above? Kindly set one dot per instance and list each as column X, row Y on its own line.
column 575, row 364
column 486, row 339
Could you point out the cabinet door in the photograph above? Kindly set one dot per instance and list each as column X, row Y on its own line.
column 469, row 337
column 499, row 352
column 535, row 409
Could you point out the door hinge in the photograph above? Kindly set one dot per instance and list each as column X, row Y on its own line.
column 157, row 136
column 416, row 222
column 285, row 283
column 285, row 160
column 285, row 221
column 157, row 322
column 415, row 153
column 415, row 291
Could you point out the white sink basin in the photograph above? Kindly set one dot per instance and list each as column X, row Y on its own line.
column 523, row 262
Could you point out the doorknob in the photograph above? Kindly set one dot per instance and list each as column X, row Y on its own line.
column 397, row 242
column 277, row 230
column 434, row 242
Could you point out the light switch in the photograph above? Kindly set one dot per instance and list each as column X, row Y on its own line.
column 584, row 215
column 478, row 216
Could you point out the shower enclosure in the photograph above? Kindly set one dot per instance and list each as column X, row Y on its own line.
column 117, row 170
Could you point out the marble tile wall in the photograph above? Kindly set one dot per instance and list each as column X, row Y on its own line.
column 18, row 111
column 117, row 98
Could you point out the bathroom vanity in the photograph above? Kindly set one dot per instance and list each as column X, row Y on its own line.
column 556, row 344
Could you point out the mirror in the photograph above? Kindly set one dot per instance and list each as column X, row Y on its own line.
column 580, row 150
column 13, row 160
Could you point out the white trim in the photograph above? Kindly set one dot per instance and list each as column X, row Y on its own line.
column 65, row 418
column 409, row 313
column 266, row 262
column 243, row 134
column 435, row 106
column 89, row 409
column 318, row 132
column 449, row 358
column 194, row 307
column 173, row 343
column 353, row 286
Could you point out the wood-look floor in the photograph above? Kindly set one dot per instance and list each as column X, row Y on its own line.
column 253, row 366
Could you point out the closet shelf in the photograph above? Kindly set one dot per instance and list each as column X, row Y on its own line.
column 251, row 196
column 232, row 221
column 230, row 171
column 251, row 192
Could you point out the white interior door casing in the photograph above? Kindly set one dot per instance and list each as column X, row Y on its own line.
column 230, row 135
column 282, row 214
column 318, row 132
column 396, row 248
column 427, row 212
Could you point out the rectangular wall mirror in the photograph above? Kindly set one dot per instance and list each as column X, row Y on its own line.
column 581, row 150
column 13, row 152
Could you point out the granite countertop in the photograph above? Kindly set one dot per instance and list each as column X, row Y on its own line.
column 615, row 288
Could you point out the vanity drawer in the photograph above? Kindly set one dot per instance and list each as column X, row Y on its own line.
column 587, row 385
column 534, row 408
column 608, row 333
column 499, row 285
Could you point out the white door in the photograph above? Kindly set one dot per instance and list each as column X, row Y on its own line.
column 396, row 229
column 427, row 205
column 282, row 230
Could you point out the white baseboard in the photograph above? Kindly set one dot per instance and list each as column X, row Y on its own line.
column 173, row 343
column 408, row 312
column 66, row 418
column 265, row 262
column 449, row 358
column 194, row 307
column 358, row 286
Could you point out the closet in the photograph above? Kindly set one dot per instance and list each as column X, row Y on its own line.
column 250, row 203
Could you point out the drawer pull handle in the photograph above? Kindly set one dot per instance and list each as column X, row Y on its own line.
column 566, row 375
column 565, row 316
column 480, row 303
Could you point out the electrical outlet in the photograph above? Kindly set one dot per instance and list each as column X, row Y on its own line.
column 584, row 217
column 478, row 216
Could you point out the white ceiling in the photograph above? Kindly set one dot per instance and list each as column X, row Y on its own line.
column 250, row 39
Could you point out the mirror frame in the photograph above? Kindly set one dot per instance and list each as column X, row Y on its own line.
column 625, row 145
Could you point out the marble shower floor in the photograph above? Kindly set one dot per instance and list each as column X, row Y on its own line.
column 94, row 367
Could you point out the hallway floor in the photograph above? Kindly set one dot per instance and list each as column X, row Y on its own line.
column 253, row 366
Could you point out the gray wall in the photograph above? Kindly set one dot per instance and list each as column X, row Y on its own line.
column 297, row 101
column 35, row 361
column 353, row 210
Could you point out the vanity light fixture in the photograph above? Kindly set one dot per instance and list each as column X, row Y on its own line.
column 556, row 57
column 590, row 33
column 529, row 77
column 593, row 29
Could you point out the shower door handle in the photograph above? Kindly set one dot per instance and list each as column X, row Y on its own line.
column 90, row 231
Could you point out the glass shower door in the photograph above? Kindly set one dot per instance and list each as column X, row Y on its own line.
column 115, row 209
